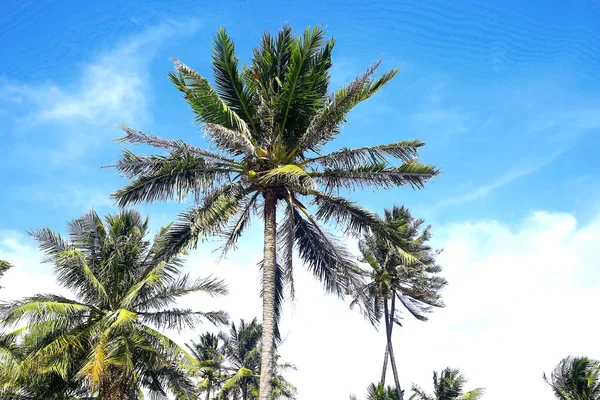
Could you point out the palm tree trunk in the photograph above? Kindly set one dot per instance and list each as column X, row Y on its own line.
column 268, row 295
column 385, row 361
column 389, row 322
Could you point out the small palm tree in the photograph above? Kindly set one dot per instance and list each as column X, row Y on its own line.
column 106, row 338
column 576, row 378
column 242, row 349
column 448, row 385
column 412, row 280
column 210, row 359
column 269, row 123
column 379, row 392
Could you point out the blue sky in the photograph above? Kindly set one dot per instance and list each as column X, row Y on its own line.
column 504, row 94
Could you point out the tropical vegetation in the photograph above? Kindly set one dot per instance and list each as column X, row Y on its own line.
column 575, row 378
column 447, row 385
column 269, row 123
column 106, row 341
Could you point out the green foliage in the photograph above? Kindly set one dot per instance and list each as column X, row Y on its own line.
column 447, row 385
column 268, row 122
column 576, row 378
column 106, row 342
column 229, row 364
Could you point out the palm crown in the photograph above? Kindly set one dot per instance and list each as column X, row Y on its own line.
column 448, row 385
column 106, row 338
column 268, row 123
column 576, row 378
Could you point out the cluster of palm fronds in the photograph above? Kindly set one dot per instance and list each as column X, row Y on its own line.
column 447, row 385
column 230, row 364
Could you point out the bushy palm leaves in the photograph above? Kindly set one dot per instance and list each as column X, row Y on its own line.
column 403, row 268
column 576, row 378
column 230, row 364
column 107, row 338
column 268, row 124
column 379, row 392
column 447, row 385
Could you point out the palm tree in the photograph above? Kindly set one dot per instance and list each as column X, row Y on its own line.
column 210, row 358
column 242, row 349
column 576, row 378
column 412, row 280
column 379, row 392
column 269, row 123
column 107, row 338
column 18, row 383
column 448, row 385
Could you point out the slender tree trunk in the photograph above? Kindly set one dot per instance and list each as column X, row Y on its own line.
column 389, row 324
column 385, row 356
column 269, row 270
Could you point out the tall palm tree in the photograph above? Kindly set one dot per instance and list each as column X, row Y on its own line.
column 576, row 378
column 268, row 124
column 448, row 385
column 411, row 280
column 107, row 338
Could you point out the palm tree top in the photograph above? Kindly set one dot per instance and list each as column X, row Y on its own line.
column 575, row 378
column 448, row 385
column 268, row 123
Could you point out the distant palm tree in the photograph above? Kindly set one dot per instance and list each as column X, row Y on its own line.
column 411, row 279
column 576, row 378
column 242, row 348
column 448, row 385
column 269, row 123
column 105, row 338
column 379, row 392
column 210, row 359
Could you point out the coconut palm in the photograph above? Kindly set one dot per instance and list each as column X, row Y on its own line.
column 448, row 385
column 18, row 383
column 242, row 348
column 576, row 378
column 379, row 392
column 412, row 281
column 107, row 337
column 210, row 359
column 268, row 124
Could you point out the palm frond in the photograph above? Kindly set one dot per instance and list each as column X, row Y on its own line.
column 205, row 102
column 133, row 136
column 209, row 219
column 405, row 151
column 326, row 257
column 378, row 175
column 180, row 319
column 167, row 177
column 229, row 85
column 234, row 232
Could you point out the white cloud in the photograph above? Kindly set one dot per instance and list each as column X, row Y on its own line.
column 520, row 297
column 111, row 87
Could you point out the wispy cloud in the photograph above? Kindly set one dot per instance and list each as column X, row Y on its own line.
column 112, row 87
